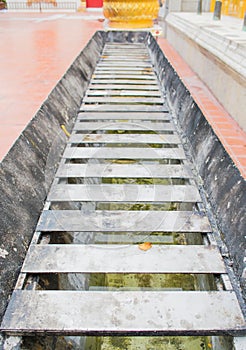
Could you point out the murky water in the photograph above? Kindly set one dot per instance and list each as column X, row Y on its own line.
column 162, row 343
column 128, row 343
column 127, row 281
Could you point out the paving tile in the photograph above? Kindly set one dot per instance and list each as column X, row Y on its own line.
column 8, row 135
column 231, row 141
column 239, row 150
column 232, row 133
column 36, row 50
column 242, row 161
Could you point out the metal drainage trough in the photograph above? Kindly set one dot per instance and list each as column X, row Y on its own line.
column 124, row 156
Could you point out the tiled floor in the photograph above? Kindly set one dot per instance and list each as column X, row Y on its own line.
column 35, row 51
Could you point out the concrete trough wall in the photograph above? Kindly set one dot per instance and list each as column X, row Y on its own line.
column 28, row 170
column 224, row 186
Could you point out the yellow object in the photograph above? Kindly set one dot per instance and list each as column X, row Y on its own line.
column 234, row 8
column 145, row 246
column 82, row 6
column 130, row 13
column 65, row 131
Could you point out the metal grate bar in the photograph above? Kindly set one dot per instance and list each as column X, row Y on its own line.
column 104, row 202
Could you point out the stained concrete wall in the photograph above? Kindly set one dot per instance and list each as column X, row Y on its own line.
column 224, row 186
column 28, row 169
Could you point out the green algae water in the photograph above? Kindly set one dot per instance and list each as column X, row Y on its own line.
column 127, row 343
column 131, row 282
column 150, row 343
column 148, row 282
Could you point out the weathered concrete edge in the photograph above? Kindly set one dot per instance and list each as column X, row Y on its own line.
column 28, row 169
column 230, row 52
column 222, row 181
column 218, row 70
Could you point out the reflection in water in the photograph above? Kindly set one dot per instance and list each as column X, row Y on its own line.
column 128, row 343
column 127, row 282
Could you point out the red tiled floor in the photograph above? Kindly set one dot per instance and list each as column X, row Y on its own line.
column 231, row 133
column 222, row 125
column 36, row 50
column 228, row 131
column 239, row 150
column 232, row 141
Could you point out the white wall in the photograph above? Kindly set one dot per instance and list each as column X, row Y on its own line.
column 187, row 5
column 191, row 5
column 21, row 5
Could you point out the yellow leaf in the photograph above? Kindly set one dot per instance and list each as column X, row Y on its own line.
column 123, row 161
column 145, row 246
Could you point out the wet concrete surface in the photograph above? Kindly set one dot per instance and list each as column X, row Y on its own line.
column 28, row 168
column 36, row 49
